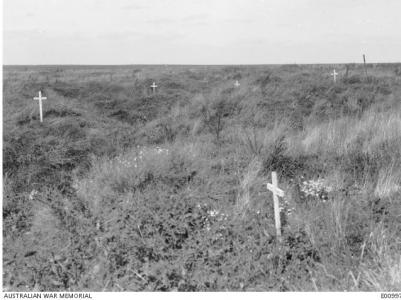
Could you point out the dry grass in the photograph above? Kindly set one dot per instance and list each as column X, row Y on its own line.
column 368, row 135
column 389, row 181
column 248, row 181
column 383, row 272
column 259, row 142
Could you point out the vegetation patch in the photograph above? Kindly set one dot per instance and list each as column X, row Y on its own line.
column 123, row 188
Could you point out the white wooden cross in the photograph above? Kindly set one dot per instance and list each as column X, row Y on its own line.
column 237, row 84
column 154, row 86
column 334, row 74
column 276, row 192
column 40, row 98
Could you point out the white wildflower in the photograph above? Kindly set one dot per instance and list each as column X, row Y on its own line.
column 33, row 194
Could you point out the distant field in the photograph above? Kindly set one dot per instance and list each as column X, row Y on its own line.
column 126, row 189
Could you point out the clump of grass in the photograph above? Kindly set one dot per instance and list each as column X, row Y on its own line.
column 248, row 181
column 383, row 271
column 270, row 146
column 261, row 142
column 389, row 181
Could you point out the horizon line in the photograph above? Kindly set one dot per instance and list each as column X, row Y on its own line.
column 175, row 64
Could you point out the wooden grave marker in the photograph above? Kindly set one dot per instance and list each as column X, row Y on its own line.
column 277, row 192
column 334, row 74
column 154, row 86
column 40, row 98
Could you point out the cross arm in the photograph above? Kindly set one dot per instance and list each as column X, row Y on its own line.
column 276, row 190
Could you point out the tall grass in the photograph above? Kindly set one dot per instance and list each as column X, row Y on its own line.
column 250, row 178
column 376, row 134
column 369, row 146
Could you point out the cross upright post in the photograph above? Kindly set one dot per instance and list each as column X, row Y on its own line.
column 334, row 74
column 237, row 84
column 40, row 98
column 273, row 187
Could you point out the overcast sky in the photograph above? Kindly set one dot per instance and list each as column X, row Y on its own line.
column 200, row 31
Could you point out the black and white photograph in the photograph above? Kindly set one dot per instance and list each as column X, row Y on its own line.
column 201, row 146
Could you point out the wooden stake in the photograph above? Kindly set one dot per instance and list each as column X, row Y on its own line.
column 364, row 65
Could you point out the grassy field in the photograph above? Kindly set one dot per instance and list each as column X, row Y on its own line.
column 123, row 189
